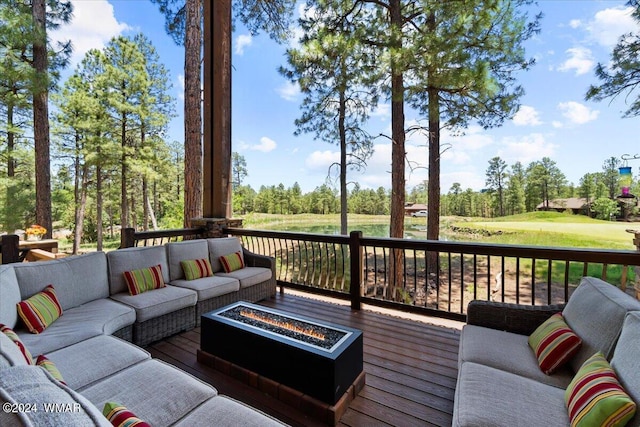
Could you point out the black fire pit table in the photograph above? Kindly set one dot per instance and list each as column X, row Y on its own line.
column 316, row 358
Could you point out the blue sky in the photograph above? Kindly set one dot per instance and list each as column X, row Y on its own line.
column 554, row 119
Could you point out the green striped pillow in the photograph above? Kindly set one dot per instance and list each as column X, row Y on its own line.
column 40, row 310
column 10, row 333
column 196, row 268
column 232, row 262
column 554, row 343
column 595, row 397
column 144, row 279
column 50, row 367
column 120, row 416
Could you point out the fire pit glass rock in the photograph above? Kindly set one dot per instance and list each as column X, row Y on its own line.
column 288, row 326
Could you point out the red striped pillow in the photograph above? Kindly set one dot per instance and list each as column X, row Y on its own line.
column 595, row 397
column 40, row 310
column 144, row 279
column 196, row 268
column 50, row 367
column 120, row 416
column 554, row 343
column 16, row 339
column 232, row 262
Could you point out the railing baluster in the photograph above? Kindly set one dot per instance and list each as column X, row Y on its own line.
column 549, row 281
column 566, row 281
column 533, row 279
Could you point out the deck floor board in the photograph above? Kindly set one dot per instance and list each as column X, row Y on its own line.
column 411, row 367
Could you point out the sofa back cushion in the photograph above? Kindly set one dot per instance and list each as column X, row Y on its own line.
column 626, row 361
column 10, row 292
column 33, row 387
column 595, row 312
column 184, row 251
column 220, row 247
column 77, row 279
column 130, row 259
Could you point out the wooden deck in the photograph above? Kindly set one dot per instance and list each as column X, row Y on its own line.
column 410, row 366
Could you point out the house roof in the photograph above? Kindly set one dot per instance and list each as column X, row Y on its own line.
column 416, row 207
column 570, row 203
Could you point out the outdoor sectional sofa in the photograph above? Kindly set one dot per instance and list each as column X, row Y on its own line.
column 89, row 343
column 500, row 382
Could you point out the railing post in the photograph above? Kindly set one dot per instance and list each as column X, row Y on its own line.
column 356, row 252
column 127, row 237
column 10, row 249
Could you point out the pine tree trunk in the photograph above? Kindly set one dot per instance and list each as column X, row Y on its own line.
column 343, row 164
column 397, row 155
column 41, row 119
column 11, row 219
column 145, row 204
column 192, row 115
column 124, row 209
column 99, row 230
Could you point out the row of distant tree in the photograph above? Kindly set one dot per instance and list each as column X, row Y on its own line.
column 509, row 190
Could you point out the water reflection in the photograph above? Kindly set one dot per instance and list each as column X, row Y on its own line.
column 411, row 231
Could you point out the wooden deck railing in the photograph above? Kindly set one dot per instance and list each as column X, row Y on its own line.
column 432, row 277
column 130, row 237
column 435, row 277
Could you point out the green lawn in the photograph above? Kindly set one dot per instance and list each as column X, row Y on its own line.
column 556, row 229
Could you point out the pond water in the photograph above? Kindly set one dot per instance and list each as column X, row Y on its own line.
column 411, row 231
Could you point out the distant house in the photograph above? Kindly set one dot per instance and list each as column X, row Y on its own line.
column 410, row 208
column 578, row 205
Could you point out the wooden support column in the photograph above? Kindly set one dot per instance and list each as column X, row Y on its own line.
column 217, row 110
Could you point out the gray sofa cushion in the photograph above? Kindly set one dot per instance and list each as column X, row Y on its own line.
column 68, row 276
column 155, row 391
column 626, row 362
column 9, row 296
column 182, row 251
column 595, row 312
column 222, row 246
column 508, row 352
column 86, row 362
column 34, row 386
column 158, row 302
column 249, row 276
column 10, row 354
column 488, row 397
column 103, row 316
column 223, row 411
column 133, row 259
column 209, row 287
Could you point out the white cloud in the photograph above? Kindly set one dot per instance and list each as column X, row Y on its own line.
column 383, row 111
column 92, row 26
column 265, row 145
column 609, row 24
column 580, row 60
column 242, row 41
column 575, row 23
column 321, row 160
column 526, row 149
column 289, row 91
column 577, row 113
column 526, row 116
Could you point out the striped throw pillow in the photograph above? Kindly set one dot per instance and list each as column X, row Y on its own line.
column 232, row 262
column 16, row 339
column 120, row 416
column 554, row 343
column 40, row 310
column 50, row 367
column 144, row 279
column 595, row 397
column 196, row 268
